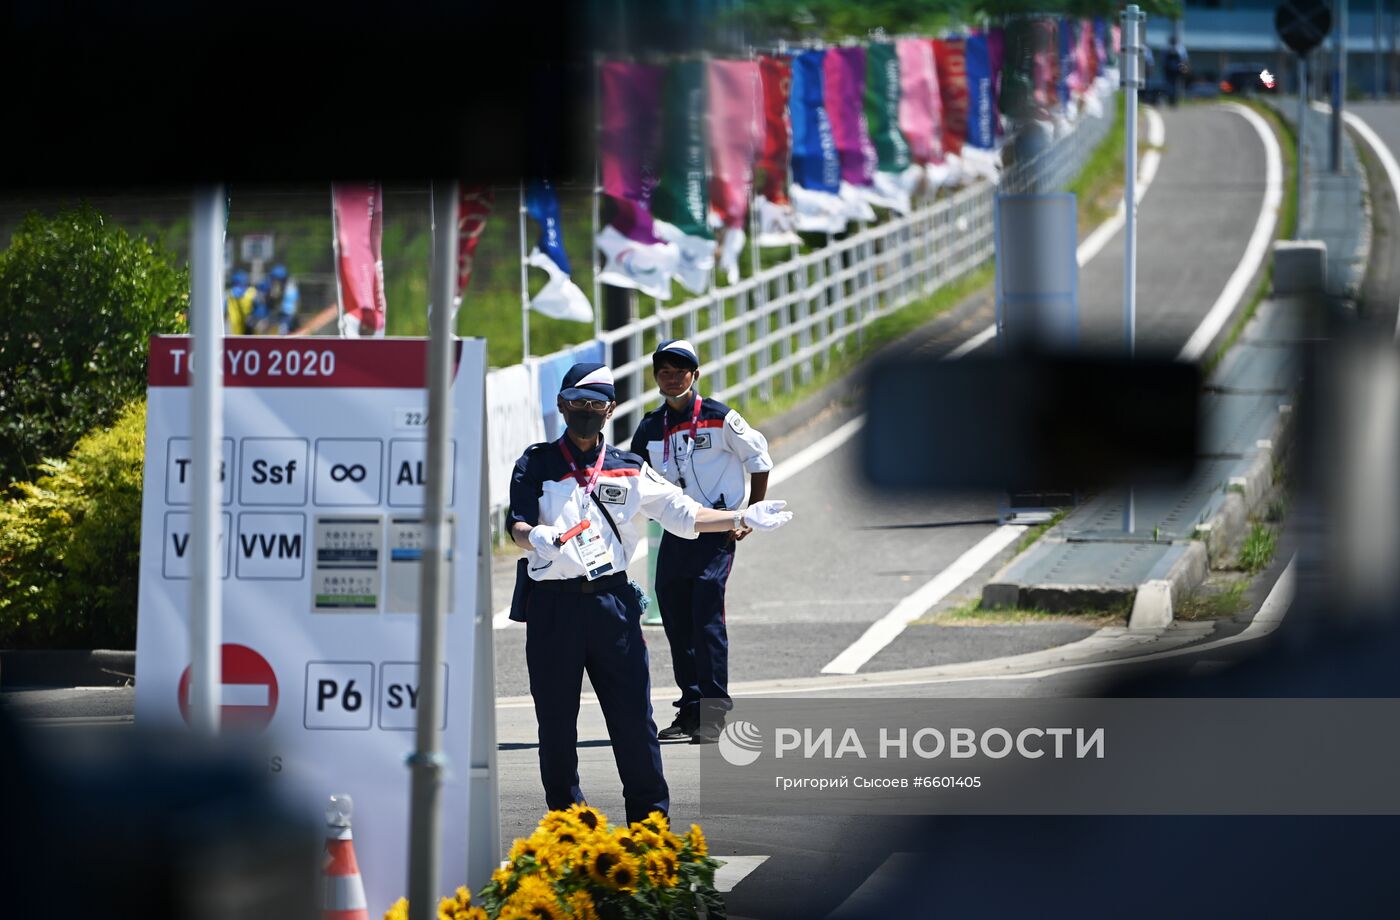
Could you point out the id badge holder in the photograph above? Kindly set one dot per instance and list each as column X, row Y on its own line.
column 593, row 551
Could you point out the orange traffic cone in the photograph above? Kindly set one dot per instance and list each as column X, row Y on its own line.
column 342, row 890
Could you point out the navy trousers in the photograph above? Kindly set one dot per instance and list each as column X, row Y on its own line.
column 690, row 580
column 567, row 634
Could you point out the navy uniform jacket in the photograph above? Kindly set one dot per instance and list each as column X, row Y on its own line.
column 543, row 490
column 713, row 468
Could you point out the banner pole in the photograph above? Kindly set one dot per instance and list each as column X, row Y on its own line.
column 427, row 762
column 597, row 190
column 207, row 428
column 524, row 285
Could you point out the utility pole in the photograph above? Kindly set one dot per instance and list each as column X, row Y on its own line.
column 1132, row 79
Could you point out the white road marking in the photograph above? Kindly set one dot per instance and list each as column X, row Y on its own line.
column 884, row 630
column 1392, row 168
column 1259, row 242
column 734, row 870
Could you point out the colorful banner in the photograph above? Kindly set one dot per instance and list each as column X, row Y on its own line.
column 681, row 202
column 996, row 52
column 920, row 108
column 629, row 141
column 473, row 207
column 1047, row 66
column 816, row 167
column 882, row 107
column 981, row 132
column 682, row 197
column 771, row 175
column 1101, row 43
column 845, row 103
column 951, row 61
column 1085, row 62
column 560, row 298
column 1064, row 34
column 735, row 134
column 357, row 213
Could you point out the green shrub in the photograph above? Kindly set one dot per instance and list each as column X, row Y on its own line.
column 70, row 544
column 79, row 298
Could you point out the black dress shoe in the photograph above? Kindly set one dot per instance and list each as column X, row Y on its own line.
column 707, row 734
column 679, row 730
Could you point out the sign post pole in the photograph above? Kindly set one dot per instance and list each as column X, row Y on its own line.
column 207, row 427
column 1132, row 79
column 426, row 763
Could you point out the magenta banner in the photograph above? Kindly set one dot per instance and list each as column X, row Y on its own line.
column 629, row 141
column 845, row 104
column 357, row 211
column 736, row 135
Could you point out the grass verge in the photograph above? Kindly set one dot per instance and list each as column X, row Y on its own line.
column 1258, row 549
column 972, row 613
column 1212, row 602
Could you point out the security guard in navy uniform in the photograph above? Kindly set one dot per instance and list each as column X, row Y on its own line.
column 577, row 508
column 704, row 447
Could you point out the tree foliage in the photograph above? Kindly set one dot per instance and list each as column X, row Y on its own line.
column 79, row 299
column 70, row 544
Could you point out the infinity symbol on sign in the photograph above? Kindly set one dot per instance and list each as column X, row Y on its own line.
column 340, row 472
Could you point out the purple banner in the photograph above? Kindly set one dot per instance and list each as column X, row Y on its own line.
column 845, row 104
column 629, row 142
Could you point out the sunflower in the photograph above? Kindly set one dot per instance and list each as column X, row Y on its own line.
column 589, row 817
column 628, row 841
column 524, row 846
column 535, row 899
column 645, row 837
column 624, row 875
column 501, row 877
column 581, row 906
column 661, row 868
column 656, row 821
column 399, row 911
column 696, row 841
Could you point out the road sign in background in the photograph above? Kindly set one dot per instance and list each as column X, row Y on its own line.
column 1303, row 24
column 321, row 551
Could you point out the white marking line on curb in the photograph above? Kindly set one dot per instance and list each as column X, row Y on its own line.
column 1098, row 238
column 735, row 870
column 1392, row 168
column 1259, row 241
column 884, row 630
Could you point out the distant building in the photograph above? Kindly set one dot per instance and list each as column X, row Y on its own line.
column 1222, row 33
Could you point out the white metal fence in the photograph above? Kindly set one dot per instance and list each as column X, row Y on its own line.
column 768, row 333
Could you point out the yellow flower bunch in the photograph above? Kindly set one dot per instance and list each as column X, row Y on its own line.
column 575, row 866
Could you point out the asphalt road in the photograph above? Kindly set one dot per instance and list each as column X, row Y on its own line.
column 1381, row 292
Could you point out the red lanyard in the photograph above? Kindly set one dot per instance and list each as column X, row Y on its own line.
column 592, row 478
column 666, row 436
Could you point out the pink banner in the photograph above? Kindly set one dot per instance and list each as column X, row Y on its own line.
column 736, row 134
column 1086, row 62
column 920, row 108
column 1047, row 66
column 951, row 60
column 629, row 141
column 357, row 210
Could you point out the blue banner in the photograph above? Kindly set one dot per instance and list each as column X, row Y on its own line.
column 542, row 203
column 1066, row 33
column 815, row 165
column 981, row 114
column 551, row 373
column 1101, row 45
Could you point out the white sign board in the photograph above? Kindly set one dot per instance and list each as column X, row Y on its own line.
column 256, row 247
column 323, row 484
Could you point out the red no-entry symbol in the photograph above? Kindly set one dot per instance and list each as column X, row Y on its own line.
column 248, row 694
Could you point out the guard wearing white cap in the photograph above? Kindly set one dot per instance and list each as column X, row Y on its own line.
column 706, row 448
column 577, row 507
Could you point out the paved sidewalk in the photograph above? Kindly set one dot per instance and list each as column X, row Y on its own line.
column 1088, row 561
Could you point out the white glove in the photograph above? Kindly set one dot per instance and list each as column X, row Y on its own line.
column 767, row 515
column 543, row 539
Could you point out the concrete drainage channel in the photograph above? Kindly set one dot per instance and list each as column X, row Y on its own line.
column 1087, row 562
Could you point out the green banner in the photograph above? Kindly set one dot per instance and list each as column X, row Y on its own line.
column 882, row 106
column 683, row 195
